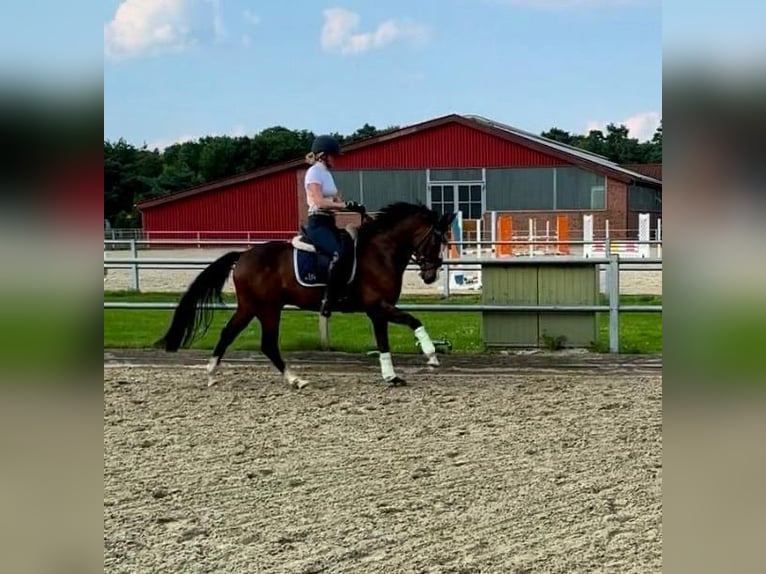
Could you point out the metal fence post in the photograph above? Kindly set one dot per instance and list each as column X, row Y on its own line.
column 613, row 291
column 134, row 255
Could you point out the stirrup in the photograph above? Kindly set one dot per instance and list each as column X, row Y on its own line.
column 325, row 309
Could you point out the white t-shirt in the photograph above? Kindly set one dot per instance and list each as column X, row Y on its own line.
column 318, row 173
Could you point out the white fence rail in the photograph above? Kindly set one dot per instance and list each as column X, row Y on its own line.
column 611, row 263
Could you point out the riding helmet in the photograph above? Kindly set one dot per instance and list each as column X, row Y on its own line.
column 327, row 145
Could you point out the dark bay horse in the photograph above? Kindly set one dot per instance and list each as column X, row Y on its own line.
column 264, row 281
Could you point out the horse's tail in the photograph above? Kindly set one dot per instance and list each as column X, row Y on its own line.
column 195, row 308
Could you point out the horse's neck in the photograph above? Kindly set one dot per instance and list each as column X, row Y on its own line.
column 398, row 244
column 401, row 237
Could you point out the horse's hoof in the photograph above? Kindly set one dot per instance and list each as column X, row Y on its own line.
column 433, row 361
column 396, row 382
column 211, row 381
column 294, row 380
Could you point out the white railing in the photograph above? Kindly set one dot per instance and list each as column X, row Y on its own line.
column 611, row 263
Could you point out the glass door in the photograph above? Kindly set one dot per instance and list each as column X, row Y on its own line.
column 442, row 198
column 452, row 197
column 469, row 201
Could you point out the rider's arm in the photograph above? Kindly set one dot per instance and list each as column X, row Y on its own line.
column 315, row 195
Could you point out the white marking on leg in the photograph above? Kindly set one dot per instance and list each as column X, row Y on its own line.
column 212, row 365
column 429, row 350
column 387, row 367
column 294, row 380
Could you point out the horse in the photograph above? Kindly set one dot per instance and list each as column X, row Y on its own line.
column 265, row 281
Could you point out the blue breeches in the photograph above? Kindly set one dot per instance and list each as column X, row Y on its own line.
column 322, row 232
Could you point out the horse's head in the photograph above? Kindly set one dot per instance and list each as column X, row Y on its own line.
column 430, row 240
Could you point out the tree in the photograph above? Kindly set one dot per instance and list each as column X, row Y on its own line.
column 558, row 135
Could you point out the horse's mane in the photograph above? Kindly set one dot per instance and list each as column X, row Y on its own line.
column 389, row 216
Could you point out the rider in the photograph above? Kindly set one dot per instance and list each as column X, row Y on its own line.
column 323, row 201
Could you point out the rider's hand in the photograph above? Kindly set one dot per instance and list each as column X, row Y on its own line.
column 355, row 206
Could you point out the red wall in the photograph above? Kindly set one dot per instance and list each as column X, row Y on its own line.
column 266, row 205
column 275, row 204
column 448, row 146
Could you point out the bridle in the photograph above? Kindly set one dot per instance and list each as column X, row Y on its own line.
column 424, row 262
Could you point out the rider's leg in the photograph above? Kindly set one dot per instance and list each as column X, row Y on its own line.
column 324, row 236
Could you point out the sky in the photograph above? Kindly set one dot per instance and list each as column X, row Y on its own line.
column 176, row 70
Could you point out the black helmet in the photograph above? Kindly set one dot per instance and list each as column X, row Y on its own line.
column 327, row 145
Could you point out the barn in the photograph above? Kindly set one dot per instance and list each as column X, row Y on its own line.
column 455, row 162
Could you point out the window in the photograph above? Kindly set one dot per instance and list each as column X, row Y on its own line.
column 449, row 198
column 442, row 199
column 644, row 199
column 456, row 175
column 469, row 201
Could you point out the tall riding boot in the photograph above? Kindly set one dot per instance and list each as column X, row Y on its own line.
column 329, row 294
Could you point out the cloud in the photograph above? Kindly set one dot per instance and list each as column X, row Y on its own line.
column 219, row 28
column 570, row 4
column 251, row 17
column 162, row 143
column 142, row 27
column 339, row 32
column 640, row 126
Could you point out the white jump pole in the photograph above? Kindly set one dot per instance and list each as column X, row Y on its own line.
column 478, row 237
column 587, row 235
column 548, row 235
column 659, row 237
column 644, row 233
column 531, row 236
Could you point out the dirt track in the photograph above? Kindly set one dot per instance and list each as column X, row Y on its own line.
column 544, row 470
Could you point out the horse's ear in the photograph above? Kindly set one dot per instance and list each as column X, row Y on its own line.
column 447, row 219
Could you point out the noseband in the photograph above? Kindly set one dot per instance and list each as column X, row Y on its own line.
column 424, row 262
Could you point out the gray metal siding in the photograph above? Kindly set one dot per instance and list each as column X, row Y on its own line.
column 347, row 183
column 456, row 175
column 574, row 188
column 518, row 189
column 379, row 188
column 534, row 189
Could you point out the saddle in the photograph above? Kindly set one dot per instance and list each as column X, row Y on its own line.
column 302, row 243
column 310, row 271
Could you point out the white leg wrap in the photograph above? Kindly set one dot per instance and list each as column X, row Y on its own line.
column 425, row 341
column 212, row 365
column 294, row 380
column 387, row 366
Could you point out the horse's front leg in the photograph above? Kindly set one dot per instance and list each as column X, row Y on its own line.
column 396, row 315
column 380, row 325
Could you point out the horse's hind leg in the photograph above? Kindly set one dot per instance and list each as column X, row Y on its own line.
column 269, row 318
column 238, row 322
